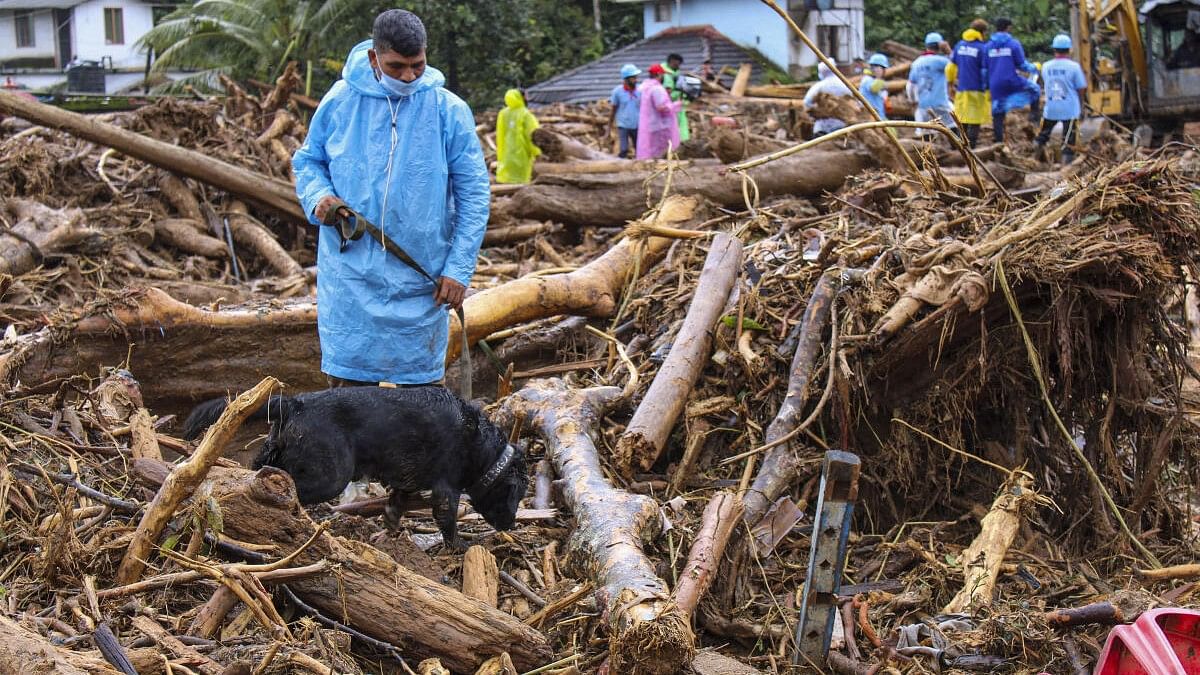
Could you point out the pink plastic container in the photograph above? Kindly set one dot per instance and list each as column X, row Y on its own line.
column 1163, row 641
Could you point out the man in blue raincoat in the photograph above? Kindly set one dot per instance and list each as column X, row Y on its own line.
column 1010, row 91
column 391, row 143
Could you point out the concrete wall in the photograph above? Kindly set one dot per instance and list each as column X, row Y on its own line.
column 43, row 36
column 87, row 34
column 753, row 24
column 750, row 24
column 113, row 82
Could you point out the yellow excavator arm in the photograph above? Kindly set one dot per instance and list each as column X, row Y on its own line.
column 1110, row 82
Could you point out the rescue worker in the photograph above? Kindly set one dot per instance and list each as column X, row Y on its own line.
column 873, row 87
column 391, row 143
column 972, row 104
column 927, row 84
column 670, row 76
column 1009, row 90
column 658, row 121
column 515, row 150
column 831, row 84
column 1065, row 87
column 626, row 103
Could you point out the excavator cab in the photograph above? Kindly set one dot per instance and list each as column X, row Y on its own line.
column 1143, row 63
column 1172, row 41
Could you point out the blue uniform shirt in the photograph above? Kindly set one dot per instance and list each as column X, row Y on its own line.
column 628, row 105
column 928, row 74
column 876, row 100
column 1063, row 79
column 968, row 56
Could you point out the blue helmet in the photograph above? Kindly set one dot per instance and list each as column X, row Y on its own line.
column 878, row 59
column 1061, row 41
column 934, row 39
column 630, row 70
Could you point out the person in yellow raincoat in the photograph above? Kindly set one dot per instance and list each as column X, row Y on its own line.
column 514, row 140
column 967, row 70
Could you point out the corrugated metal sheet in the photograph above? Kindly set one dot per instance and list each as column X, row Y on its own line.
column 595, row 81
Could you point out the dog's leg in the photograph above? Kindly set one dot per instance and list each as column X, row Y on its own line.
column 445, row 512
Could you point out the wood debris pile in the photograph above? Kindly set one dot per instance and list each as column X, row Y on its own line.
column 677, row 343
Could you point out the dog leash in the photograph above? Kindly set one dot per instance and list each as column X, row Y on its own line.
column 352, row 226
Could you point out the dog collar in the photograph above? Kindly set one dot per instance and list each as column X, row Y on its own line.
column 496, row 469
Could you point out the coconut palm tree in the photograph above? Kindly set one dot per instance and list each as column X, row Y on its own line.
column 246, row 38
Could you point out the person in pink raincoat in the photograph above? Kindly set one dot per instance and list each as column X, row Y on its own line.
column 658, row 124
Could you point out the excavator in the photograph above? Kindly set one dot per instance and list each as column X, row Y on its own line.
column 1142, row 63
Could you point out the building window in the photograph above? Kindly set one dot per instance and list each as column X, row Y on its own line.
column 23, row 22
column 114, row 26
column 827, row 41
column 662, row 11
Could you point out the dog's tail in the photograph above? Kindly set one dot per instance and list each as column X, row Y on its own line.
column 206, row 414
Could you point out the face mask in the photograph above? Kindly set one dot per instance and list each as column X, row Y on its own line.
column 397, row 87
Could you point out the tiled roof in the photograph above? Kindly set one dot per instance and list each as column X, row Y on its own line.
column 595, row 81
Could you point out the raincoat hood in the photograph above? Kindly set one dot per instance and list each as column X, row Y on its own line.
column 972, row 35
column 513, row 99
column 359, row 74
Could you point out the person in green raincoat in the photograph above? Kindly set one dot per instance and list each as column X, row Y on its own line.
column 674, row 61
column 514, row 140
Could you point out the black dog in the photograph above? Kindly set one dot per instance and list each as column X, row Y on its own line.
column 422, row 438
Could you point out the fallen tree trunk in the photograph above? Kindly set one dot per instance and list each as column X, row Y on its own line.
column 779, row 467
column 557, row 147
column 185, row 353
column 613, row 166
column 646, row 435
column 270, row 192
column 23, row 651
column 806, row 174
column 981, row 561
column 591, row 290
column 649, row 635
column 370, row 592
column 38, row 230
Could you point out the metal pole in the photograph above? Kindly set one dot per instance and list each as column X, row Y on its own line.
column 826, row 557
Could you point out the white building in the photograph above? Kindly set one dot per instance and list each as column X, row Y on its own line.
column 836, row 26
column 39, row 38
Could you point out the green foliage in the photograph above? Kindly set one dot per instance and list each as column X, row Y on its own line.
column 485, row 48
column 1035, row 22
column 244, row 38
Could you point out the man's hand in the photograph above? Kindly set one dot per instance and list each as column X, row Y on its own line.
column 449, row 292
column 326, row 207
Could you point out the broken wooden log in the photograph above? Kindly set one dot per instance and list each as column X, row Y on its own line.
column 481, row 577
column 189, row 236
column 265, row 190
column 558, row 147
column 38, row 230
column 511, row 234
column 649, row 635
column 370, row 592
column 186, row 477
column 624, row 200
column 591, row 290
column 723, row 513
column 981, row 561
column 778, row 468
column 646, row 435
column 250, row 233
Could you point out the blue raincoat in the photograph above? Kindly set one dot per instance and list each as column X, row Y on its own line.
column 1010, row 91
column 376, row 317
